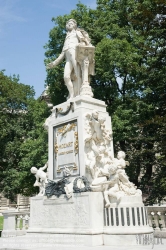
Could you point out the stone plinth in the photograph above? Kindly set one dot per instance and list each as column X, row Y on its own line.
column 85, row 217
column 67, row 134
column 81, row 215
column 80, row 143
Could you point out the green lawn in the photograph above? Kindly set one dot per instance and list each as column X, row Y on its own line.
column 1, row 222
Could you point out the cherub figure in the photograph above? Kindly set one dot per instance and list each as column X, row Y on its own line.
column 41, row 178
column 119, row 181
column 120, row 163
column 96, row 126
column 96, row 142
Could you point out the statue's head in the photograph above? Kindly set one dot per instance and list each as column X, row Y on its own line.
column 88, row 115
column 111, row 168
column 71, row 24
column 33, row 170
column 121, row 154
column 95, row 114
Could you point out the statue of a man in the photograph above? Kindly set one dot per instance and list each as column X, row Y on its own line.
column 72, row 70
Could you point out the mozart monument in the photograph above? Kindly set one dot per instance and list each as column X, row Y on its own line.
column 86, row 196
column 87, row 192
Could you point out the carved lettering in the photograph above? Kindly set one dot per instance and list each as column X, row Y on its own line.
column 66, row 148
column 66, row 152
column 66, row 145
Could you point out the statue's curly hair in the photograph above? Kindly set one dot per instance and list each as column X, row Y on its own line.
column 72, row 20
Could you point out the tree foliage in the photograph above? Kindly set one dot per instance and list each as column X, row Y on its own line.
column 23, row 141
column 130, row 41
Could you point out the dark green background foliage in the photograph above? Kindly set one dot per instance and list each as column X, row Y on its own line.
column 23, row 141
column 130, row 41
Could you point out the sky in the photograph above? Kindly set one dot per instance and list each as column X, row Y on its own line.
column 24, row 30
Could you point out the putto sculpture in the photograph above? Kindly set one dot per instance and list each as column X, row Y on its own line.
column 79, row 55
column 108, row 173
column 41, row 178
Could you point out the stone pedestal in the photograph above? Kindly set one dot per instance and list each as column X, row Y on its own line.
column 80, row 134
column 85, row 58
column 67, row 134
column 82, row 215
column 84, row 220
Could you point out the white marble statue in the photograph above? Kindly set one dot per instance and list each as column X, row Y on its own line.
column 112, row 179
column 122, row 186
column 77, row 49
column 41, row 178
column 97, row 142
column 96, row 129
column 108, row 173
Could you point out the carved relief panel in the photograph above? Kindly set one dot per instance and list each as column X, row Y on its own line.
column 66, row 149
column 56, row 213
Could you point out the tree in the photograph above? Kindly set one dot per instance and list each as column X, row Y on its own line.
column 20, row 121
column 134, row 44
column 154, row 88
column 34, row 150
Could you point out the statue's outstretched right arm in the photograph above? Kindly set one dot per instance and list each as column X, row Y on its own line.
column 56, row 62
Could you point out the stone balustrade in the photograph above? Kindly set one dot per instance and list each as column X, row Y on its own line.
column 157, row 219
column 125, row 216
column 16, row 223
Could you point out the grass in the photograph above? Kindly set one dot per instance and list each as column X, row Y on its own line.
column 1, row 222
